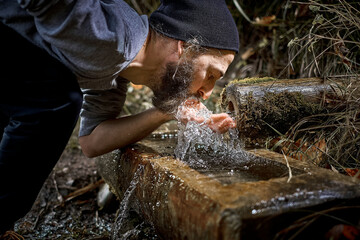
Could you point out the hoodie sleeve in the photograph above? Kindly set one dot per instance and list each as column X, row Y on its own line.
column 96, row 39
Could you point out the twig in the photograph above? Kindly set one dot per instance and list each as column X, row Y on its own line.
column 136, row 6
column 12, row 235
column 325, row 213
column 304, row 222
column 288, row 165
column 34, row 224
column 291, row 60
column 83, row 190
column 59, row 196
column 334, row 39
column 237, row 5
column 305, row 225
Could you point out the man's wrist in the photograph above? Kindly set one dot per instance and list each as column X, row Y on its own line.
column 164, row 117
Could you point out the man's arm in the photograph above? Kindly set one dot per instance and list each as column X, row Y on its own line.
column 95, row 39
column 117, row 133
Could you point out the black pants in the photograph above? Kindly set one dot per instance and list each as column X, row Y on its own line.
column 40, row 102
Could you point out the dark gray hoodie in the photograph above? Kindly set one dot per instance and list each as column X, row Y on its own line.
column 96, row 39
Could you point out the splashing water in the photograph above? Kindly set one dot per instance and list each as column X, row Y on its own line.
column 201, row 147
column 125, row 207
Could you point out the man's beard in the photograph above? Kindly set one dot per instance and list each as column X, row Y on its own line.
column 174, row 87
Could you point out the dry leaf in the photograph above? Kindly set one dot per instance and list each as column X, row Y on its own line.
column 352, row 172
column 137, row 86
column 248, row 53
column 334, row 169
column 265, row 20
column 342, row 231
column 302, row 151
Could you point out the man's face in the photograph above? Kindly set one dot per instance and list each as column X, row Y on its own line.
column 174, row 86
column 194, row 77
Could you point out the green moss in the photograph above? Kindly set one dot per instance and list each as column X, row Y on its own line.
column 274, row 113
column 222, row 101
column 246, row 81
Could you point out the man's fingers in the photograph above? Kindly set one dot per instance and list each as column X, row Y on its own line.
column 221, row 123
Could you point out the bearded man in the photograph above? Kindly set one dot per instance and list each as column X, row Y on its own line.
column 63, row 57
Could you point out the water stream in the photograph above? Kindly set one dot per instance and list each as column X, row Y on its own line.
column 123, row 212
column 220, row 156
column 200, row 147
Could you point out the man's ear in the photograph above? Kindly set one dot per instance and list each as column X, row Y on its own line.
column 180, row 48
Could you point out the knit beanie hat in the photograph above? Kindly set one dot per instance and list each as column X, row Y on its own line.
column 208, row 21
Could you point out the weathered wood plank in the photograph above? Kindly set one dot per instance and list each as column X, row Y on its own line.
column 183, row 203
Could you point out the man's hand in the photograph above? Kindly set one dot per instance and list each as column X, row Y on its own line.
column 191, row 110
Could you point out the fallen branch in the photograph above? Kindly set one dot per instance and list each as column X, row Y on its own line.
column 83, row 190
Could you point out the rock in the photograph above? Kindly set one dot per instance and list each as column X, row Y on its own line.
column 104, row 196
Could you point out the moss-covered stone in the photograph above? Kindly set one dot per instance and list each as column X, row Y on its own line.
column 274, row 113
column 268, row 107
column 245, row 81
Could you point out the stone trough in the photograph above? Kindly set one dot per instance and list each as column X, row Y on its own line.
column 185, row 203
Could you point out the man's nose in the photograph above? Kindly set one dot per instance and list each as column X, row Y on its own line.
column 205, row 94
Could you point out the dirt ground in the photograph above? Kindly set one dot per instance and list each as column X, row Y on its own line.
column 52, row 217
column 66, row 207
column 55, row 216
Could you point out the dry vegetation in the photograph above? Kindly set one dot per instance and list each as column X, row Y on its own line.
column 331, row 50
column 296, row 39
